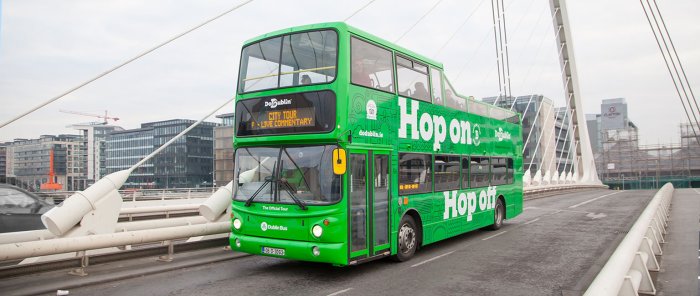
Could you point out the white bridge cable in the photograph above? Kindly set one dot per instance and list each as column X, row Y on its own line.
column 539, row 140
column 41, row 105
column 668, row 67
column 675, row 53
column 442, row 47
column 501, row 39
column 556, row 140
column 485, row 38
column 570, row 125
column 537, row 115
column 573, row 144
column 546, row 148
column 539, row 50
column 665, row 35
column 358, row 10
column 418, row 21
column 550, row 140
column 499, row 48
column 161, row 148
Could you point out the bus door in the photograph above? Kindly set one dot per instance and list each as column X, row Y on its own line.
column 368, row 191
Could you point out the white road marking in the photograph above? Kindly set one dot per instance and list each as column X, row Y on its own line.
column 528, row 208
column 698, row 192
column 340, row 292
column 431, row 259
column 592, row 200
column 531, row 221
column 560, row 210
column 596, row 216
column 495, row 235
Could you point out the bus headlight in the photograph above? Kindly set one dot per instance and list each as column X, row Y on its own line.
column 317, row 230
column 238, row 243
column 236, row 223
column 316, row 251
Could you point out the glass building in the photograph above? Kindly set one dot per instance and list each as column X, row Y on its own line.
column 538, row 116
column 188, row 162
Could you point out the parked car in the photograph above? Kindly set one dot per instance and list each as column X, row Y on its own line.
column 21, row 210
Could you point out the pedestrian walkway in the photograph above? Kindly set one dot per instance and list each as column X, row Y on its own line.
column 680, row 273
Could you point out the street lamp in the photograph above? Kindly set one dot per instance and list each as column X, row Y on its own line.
column 623, row 181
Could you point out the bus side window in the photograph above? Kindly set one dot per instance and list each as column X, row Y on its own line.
column 412, row 79
column 446, row 168
column 371, row 66
column 465, row 172
column 479, row 171
column 510, row 171
column 499, row 171
column 415, row 174
column 436, row 86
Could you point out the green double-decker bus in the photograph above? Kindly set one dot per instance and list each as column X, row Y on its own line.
column 349, row 148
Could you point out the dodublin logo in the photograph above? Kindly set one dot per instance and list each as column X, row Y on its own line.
column 273, row 103
column 263, row 226
column 501, row 135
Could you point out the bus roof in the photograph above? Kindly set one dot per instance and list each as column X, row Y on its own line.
column 341, row 26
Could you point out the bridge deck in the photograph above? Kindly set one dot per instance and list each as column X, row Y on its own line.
column 680, row 271
column 556, row 247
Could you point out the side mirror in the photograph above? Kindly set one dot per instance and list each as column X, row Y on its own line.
column 340, row 164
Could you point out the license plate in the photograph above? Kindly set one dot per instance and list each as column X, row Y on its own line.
column 273, row 251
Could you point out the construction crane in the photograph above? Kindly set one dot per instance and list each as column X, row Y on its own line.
column 104, row 117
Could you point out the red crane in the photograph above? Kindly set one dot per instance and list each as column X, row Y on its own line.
column 104, row 117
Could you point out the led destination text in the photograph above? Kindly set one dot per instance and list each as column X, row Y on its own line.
column 285, row 119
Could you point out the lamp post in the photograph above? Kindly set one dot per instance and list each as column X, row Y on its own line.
column 623, row 181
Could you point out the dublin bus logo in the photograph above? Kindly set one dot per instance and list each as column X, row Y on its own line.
column 273, row 103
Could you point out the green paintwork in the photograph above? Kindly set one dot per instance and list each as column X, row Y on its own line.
column 297, row 239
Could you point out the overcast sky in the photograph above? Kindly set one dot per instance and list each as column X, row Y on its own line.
column 49, row 46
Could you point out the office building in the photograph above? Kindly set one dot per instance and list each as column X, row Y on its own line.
column 223, row 150
column 94, row 136
column 31, row 161
column 188, row 162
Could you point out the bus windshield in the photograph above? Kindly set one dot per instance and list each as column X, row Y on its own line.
column 289, row 60
column 302, row 175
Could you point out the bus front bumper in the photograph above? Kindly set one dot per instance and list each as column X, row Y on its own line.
column 334, row 253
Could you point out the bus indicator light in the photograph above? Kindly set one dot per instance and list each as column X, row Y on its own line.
column 405, row 200
column 326, row 222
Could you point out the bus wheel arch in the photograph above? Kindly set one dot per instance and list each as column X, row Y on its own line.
column 499, row 213
column 419, row 225
column 410, row 232
column 503, row 200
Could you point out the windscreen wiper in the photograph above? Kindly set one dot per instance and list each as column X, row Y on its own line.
column 301, row 173
column 290, row 190
column 268, row 180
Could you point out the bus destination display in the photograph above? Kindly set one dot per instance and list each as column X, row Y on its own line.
column 289, row 118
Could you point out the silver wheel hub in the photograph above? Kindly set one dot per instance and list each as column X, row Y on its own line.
column 407, row 238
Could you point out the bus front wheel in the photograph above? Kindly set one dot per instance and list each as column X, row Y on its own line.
column 499, row 213
column 408, row 239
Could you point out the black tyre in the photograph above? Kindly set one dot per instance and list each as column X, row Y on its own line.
column 499, row 214
column 407, row 240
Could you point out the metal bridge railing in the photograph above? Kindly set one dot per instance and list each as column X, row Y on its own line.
column 627, row 270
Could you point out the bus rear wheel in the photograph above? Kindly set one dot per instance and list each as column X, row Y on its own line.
column 499, row 213
column 407, row 240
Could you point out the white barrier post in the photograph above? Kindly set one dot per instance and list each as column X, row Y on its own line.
column 627, row 270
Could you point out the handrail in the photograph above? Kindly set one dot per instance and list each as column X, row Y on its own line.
column 627, row 269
